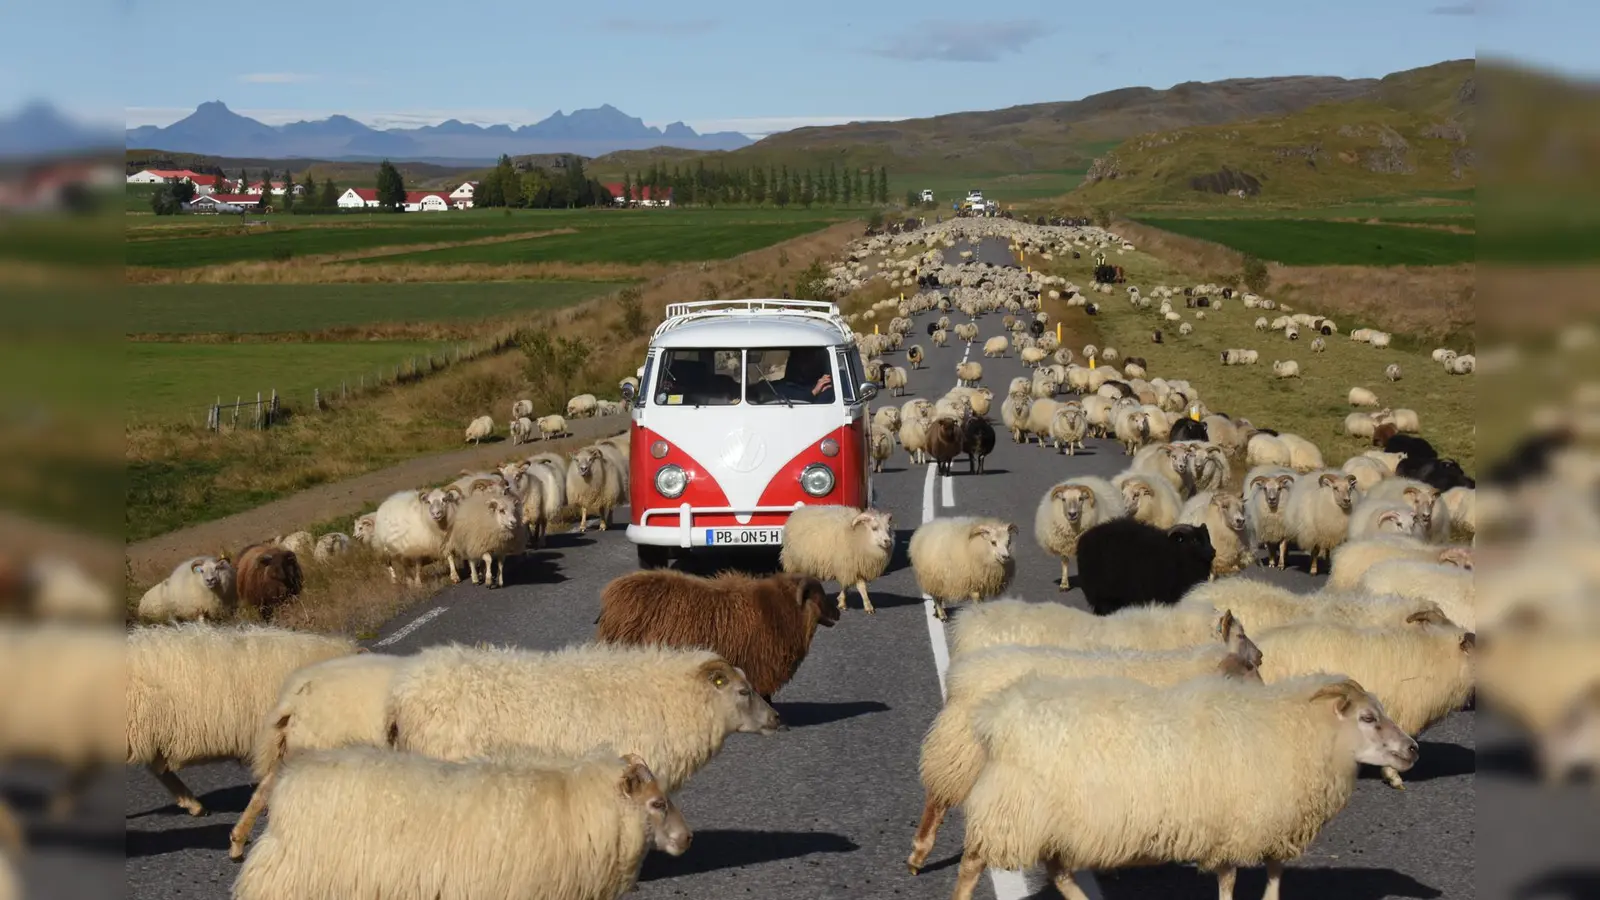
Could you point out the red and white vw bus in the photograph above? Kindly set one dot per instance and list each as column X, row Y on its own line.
column 746, row 410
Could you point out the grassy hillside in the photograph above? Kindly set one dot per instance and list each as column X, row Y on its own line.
column 1410, row 134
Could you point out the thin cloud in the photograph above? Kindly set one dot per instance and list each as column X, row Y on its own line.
column 1456, row 9
column 276, row 78
column 659, row 26
column 947, row 41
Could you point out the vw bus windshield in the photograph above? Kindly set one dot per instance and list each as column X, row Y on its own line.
column 786, row 376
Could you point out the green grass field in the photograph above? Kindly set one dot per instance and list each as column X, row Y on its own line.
column 1305, row 242
column 267, row 308
column 282, row 242
column 1001, row 188
column 625, row 243
column 177, row 381
column 1399, row 211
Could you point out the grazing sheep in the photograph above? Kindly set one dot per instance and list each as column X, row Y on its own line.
column 1420, row 673
column 1392, row 372
column 266, row 577
column 334, row 543
column 1286, row 368
column 673, row 707
column 582, row 406
column 335, row 703
column 1319, row 512
column 478, row 429
column 364, row 528
column 1226, row 525
column 551, row 426
column 962, row 558
column 489, row 528
column 1269, row 606
column 1123, row 563
column 894, row 379
column 880, row 444
column 1068, row 510
column 764, row 626
column 199, row 693
column 839, row 543
column 593, row 483
column 1149, row 498
column 1303, row 455
column 968, row 374
column 412, row 525
column 1213, row 771
column 951, row 756
column 1358, row 424
column 1318, row 345
column 914, row 356
column 1360, row 396
column 342, row 826
column 1450, row 586
column 300, row 543
column 200, row 588
column 1266, row 509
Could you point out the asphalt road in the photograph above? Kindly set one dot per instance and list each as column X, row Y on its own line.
column 828, row 808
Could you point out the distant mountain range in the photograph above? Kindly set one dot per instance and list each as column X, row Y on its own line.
column 216, row 130
column 39, row 129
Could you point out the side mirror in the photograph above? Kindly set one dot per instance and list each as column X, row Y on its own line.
column 869, row 390
column 628, row 393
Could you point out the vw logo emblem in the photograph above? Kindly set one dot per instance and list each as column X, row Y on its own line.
column 745, row 451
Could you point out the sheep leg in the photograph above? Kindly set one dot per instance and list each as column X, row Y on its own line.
column 65, row 801
column 394, row 577
column 1065, row 578
column 605, row 518
column 1226, row 876
column 972, row 866
column 583, row 519
column 1061, row 877
column 938, row 609
column 472, row 566
column 488, row 570
column 1392, row 778
column 416, row 577
column 927, row 830
column 866, row 602
column 1274, row 879
column 1283, row 554
column 247, row 819
column 842, row 591
column 455, row 577
column 1314, row 555
column 169, row 779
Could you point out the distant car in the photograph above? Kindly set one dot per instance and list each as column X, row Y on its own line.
column 927, row 196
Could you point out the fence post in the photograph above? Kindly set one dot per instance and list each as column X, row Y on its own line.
column 272, row 411
column 316, row 399
column 258, row 410
column 238, row 402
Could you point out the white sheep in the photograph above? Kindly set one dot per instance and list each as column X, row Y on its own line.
column 412, row 525
column 1392, row 371
column 1461, row 504
column 1213, row 771
column 200, row 588
column 1352, row 560
column 880, row 446
column 887, row 418
column 300, row 543
column 1450, row 586
column 593, row 485
column 1068, row 427
column 1266, row 509
column 1373, row 518
column 1269, row 606
column 198, row 693
column 952, row 757
column 894, row 380
column 1318, row 345
column 1432, row 518
column 478, row 429
column 1069, row 509
column 1319, row 512
column 339, row 702
column 1303, row 455
column 521, row 409
column 1150, row 627
column 551, row 426
column 521, row 430
column 1360, row 396
column 1420, row 673
column 1286, row 368
column 1267, row 450
column 360, row 822
column 1360, row 425
column 1015, row 413
column 839, row 543
column 364, row 528
column 968, row 374
column 1406, row 421
column 996, row 346
column 583, row 406
column 962, row 558
column 914, row 431
column 485, row 527
column 673, row 707
column 1461, row 365
column 1149, row 498
column 1229, row 529
column 1379, row 339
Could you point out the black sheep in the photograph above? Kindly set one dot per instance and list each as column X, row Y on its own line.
column 1125, row 562
column 1188, row 430
column 1416, row 449
column 977, row 440
column 1037, row 328
column 932, row 327
column 1155, row 336
column 1529, row 459
column 1135, row 361
column 1227, row 293
column 1092, row 309
column 1203, row 303
column 1439, row 474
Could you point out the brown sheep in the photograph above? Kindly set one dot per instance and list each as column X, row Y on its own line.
column 945, row 442
column 762, row 625
column 267, row 576
column 1381, row 434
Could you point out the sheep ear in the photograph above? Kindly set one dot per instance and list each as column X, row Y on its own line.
column 1344, row 693
column 195, row 567
column 1226, row 624
column 1326, row 480
column 637, row 777
column 863, row 518
column 453, row 492
column 1469, row 642
column 1428, row 615
column 717, row 672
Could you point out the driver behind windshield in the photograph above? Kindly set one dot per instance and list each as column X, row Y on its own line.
column 806, row 378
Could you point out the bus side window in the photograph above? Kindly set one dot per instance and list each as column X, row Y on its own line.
column 848, row 380
column 645, row 385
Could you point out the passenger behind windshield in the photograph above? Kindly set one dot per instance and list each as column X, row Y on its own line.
column 806, row 377
column 688, row 379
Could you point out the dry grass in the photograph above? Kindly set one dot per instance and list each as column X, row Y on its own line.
column 435, row 332
column 304, row 272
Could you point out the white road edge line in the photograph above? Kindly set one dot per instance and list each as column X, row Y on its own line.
column 949, row 492
column 406, row 630
column 1007, row 885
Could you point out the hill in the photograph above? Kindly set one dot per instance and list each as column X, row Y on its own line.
column 1036, row 137
column 1409, row 133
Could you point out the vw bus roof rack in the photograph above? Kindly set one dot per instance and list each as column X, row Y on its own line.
column 821, row 310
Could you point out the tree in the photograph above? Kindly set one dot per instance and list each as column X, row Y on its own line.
column 861, row 195
column 288, row 190
column 1255, row 275
column 833, row 184
column 309, row 194
column 883, row 184
column 849, row 189
column 811, row 283
column 330, row 195
column 794, row 186
column 391, row 188
column 758, row 185
column 808, row 191
column 508, row 185
column 183, row 191
column 782, row 197
column 627, row 188
column 872, row 186
column 244, row 182
column 773, row 185
column 163, row 203
column 631, row 302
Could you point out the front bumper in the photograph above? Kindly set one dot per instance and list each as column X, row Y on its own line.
column 676, row 527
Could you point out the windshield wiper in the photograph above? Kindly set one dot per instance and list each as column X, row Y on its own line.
column 774, row 388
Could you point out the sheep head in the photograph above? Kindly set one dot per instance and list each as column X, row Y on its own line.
column 1375, row 738
column 1397, row 521
column 1136, row 491
column 995, row 539
column 879, row 526
column 1244, row 657
column 210, row 571
column 743, row 711
column 1343, row 488
column 1231, row 510
column 1271, row 490
column 1457, row 556
column 504, row 512
column 1074, row 500
column 441, row 504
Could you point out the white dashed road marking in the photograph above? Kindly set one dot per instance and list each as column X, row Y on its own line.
column 406, row 630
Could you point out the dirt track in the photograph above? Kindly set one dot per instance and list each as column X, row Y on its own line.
column 150, row 559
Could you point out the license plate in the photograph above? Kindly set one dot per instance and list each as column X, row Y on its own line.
column 744, row 537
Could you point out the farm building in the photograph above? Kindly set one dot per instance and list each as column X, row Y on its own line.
column 277, row 188
column 160, row 176
column 416, row 201
column 643, row 195
column 223, row 202
column 461, row 197
column 355, row 198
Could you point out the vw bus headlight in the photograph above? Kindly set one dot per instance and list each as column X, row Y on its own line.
column 816, row 480
column 671, row 480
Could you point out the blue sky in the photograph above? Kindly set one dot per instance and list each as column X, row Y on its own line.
column 722, row 64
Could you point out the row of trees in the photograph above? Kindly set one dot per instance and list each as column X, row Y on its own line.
column 777, row 185
column 539, row 188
